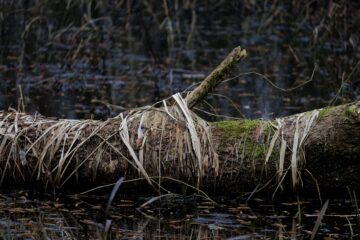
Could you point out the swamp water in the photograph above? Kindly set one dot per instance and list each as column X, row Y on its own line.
column 27, row 215
column 84, row 59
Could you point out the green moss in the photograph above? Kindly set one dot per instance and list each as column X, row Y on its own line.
column 260, row 151
column 253, row 149
column 351, row 112
column 237, row 128
column 324, row 112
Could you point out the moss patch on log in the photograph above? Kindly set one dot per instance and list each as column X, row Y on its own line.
column 260, row 151
column 237, row 128
column 324, row 112
column 350, row 112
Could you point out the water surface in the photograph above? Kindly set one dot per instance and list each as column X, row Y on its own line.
column 94, row 59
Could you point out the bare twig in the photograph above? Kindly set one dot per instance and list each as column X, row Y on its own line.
column 215, row 77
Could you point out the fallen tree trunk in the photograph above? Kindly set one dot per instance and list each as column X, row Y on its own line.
column 222, row 156
column 316, row 149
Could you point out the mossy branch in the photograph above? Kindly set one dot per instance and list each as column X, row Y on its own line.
column 215, row 77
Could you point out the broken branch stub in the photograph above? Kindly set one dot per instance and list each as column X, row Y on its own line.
column 215, row 77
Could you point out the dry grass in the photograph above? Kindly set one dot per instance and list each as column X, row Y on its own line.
column 301, row 125
column 143, row 140
column 56, row 151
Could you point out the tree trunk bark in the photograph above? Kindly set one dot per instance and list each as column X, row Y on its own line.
column 316, row 149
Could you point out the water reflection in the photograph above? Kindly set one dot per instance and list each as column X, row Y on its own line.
column 136, row 52
column 31, row 216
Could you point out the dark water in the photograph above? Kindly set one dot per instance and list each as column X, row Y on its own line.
column 26, row 215
column 78, row 59
column 74, row 59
